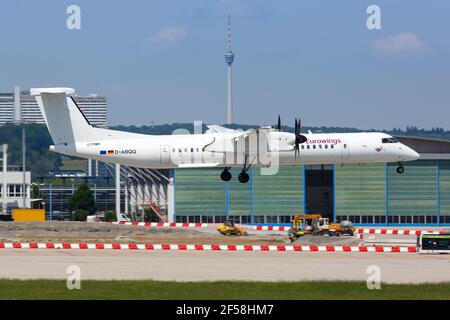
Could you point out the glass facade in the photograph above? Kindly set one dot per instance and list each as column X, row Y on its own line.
column 279, row 194
column 361, row 193
column 444, row 191
column 239, row 195
column 265, row 198
column 199, row 192
column 412, row 196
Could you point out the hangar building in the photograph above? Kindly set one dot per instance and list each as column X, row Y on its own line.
column 366, row 194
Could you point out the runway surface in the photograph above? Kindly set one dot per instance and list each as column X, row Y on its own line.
column 209, row 266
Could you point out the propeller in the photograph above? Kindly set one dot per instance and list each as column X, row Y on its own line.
column 279, row 123
column 299, row 138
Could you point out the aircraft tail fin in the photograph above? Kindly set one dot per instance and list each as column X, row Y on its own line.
column 65, row 121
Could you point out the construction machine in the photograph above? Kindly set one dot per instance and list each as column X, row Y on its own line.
column 315, row 224
column 295, row 231
column 228, row 228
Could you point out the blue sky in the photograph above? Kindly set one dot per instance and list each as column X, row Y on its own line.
column 163, row 61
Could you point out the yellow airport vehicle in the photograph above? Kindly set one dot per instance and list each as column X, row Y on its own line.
column 28, row 214
column 228, row 228
column 315, row 224
column 343, row 228
column 295, row 231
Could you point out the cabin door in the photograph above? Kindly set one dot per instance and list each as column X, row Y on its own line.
column 165, row 156
column 345, row 152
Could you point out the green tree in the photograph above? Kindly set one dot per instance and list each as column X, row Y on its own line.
column 82, row 202
column 35, row 194
column 38, row 157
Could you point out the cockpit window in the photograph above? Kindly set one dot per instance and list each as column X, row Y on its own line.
column 389, row 140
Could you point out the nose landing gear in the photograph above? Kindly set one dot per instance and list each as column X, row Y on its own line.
column 400, row 168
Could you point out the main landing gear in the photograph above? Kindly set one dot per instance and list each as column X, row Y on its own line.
column 243, row 177
column 225, row 175
column 400, row 168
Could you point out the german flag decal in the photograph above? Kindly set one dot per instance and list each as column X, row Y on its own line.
column 106, row 151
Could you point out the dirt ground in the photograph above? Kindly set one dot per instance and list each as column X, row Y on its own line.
column 69, row 231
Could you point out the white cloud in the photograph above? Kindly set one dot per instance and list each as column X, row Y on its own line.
column 406, row 42
column 170, row 35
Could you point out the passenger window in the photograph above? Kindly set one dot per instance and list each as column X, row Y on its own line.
column 303, row 147
column 307, row 147
column 173, row 150
column 345, row 145
column 332, row 146
column 320, row 146
column 179, row 150
column 314, row 146
column 192, row 149
column 198, row 150
column 185, row 149
column 326, row 146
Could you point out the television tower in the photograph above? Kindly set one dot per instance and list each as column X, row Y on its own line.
column 229, row 58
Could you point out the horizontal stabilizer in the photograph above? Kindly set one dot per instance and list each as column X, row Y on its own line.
column 39, row 91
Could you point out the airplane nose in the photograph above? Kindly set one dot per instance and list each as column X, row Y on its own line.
column 414, row 154
column 409, row 154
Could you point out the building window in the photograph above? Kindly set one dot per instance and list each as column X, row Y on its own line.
column 11, row 190
column 271, row 219
column 219, row 219
column 245, row 219
column 235, row 219
column 258, row 219
column 15, row 190
column 285, row 219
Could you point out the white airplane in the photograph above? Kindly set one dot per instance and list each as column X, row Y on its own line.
column 220, row 147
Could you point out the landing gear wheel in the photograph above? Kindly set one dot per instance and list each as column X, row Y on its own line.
column 400, row 169
column 225, row 175
column 243, row 177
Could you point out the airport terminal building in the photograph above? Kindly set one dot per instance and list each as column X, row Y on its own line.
column 366, row 194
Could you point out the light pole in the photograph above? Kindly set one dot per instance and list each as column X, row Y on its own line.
column 5, row 179
column 24, row 186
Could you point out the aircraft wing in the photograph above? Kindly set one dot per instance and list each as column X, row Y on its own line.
column 229, row 142
column 252, row 134
column 214, row 128
column 198, row 165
